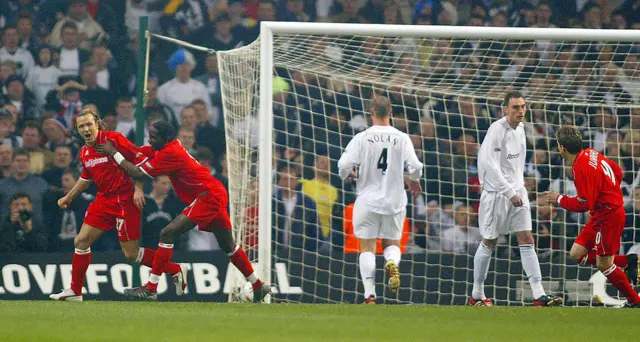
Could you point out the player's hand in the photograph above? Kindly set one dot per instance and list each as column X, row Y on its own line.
column 516, row 201
column 552, row 197
column 15, row 216
column 353, row 175
column 414, row 188
column 138, row 198
column 64, row 202
column 106, row 148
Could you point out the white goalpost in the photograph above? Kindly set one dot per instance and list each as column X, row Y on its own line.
column 293, row 99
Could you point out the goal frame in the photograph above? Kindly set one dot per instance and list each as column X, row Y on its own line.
column 269, row 28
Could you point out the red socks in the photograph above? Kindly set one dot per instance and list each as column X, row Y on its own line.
column 620, row 281
column 590, row 259
column 241, row 261
column 79, row 265
column 161, row 258
column 146, row 256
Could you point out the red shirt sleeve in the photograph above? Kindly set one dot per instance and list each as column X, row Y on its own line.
column 128, row 150
column 164, row 162
column 587, row 180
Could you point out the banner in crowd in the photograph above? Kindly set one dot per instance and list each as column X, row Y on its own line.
column 436, row 278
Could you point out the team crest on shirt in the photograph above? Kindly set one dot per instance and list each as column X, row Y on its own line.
column 96, row 161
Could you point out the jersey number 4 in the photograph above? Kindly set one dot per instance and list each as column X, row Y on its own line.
column 608, row 171
column 382, row 161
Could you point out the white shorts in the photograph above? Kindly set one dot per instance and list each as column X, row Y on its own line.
column 370, row 225
column 497, row 216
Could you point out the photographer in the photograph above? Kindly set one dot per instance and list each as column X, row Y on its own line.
column 18, row 233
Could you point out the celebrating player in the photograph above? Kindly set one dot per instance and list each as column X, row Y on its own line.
column 114, row 206
column 382, row 154
column 597, row 181
column 504, row 203
column 207, row 209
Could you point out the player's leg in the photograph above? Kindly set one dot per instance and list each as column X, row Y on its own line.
column 237, row 255
column 607, row 243
column 391, row 233
column 491, row 215
column 80, row 262
column 129, row 232
column 531, row 266
column 366, row 227
column 367, row 265
column 179, row 225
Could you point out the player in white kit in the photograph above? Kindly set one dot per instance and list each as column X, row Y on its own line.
column 504, row 203
column 381, row 153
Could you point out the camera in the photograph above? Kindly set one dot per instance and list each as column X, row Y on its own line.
column 25, row 215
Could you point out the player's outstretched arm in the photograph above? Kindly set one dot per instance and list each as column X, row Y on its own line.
column 133, row 171
column 587, row 193
column 78, row 188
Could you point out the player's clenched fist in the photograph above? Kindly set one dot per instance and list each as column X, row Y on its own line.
column 550, row 196
column 64, row 202
column 516, row 201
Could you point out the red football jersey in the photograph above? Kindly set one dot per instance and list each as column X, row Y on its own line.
column 189, row 178
column 111, row 179
column 597, row 181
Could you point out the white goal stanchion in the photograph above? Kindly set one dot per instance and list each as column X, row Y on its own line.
column 294, row 98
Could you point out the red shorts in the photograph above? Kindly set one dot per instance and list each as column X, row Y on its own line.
column 106, row 213
column 209, row 211
column 603, row 234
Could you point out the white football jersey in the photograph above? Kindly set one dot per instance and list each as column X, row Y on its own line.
column 502, row 157
column 381, row 153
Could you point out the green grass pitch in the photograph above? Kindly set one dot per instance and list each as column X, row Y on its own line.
column 145, row 321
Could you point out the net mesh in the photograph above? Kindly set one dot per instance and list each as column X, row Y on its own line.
column 445, row 94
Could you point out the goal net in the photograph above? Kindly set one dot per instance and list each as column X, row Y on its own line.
column 294, row 99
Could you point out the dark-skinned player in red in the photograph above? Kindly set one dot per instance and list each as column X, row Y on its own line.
column 115, row 206
column 597, row 181
column 207, row 201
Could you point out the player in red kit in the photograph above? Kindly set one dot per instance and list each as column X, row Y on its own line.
column 207, row 201
column 597, row 181
column 114, row 206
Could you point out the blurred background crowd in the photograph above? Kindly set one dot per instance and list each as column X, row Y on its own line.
column 60, row 56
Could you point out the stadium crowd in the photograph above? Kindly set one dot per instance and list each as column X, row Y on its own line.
column 60, row 56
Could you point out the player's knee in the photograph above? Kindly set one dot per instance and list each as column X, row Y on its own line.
column 603, row 264
column 490, row 243
column 166, row 235
column 525, row 239
column 81, row 241
column 130, row 253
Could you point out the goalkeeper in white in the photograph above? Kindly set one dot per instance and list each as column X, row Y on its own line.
column 381, row 153
column 504, row 203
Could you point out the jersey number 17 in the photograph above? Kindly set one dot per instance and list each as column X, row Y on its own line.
column 382, row 161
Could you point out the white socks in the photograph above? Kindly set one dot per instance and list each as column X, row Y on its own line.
column 392, row 253
column 367, row 263
column 531, row 267
column 481, row 263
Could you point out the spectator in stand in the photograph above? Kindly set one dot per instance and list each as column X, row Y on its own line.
column 62, row 160
column 28, row 40
column 20, row 230
column 468, row 117
column 7, row 68
column 189, row 118
column 12, row 9
column 182, row 90
column 266, row 12
column 105, row 17
column 208, row 135
column 71, row 57
column 320, row 190
column 55, row 133
column 64, row 224
column 347, row 11
column 218, row 35
column 153, row 105
column 465, row 167
column 464, row 237
column 21, row 181
column 125, row 122
column 161, row 208
column 11, row 50
column 187, row 138
column 211, row 80
column 7, row 137
column 44, row 76
column 592, row 16
column 499, row 19
column 295, row 219
column 22, row 99
column 239, row 22
column 88, row 30
column 296, row 11
column 40, row 159
column 108, row 75
column 103, row 99
column 448, row 14
column 185, row 20
column 5, row 161
column 65, row 101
